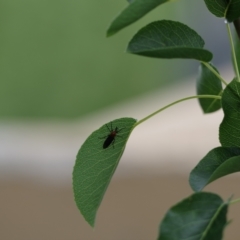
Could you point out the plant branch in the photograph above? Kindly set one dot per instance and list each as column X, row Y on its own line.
column 173, row 103
column 233, row 51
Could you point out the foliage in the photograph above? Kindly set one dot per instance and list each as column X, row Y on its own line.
column 95, row 166
column 202, row 215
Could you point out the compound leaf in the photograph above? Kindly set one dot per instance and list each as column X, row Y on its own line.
column 217, row 163
column 202, row 216
column 95, row 166
column 209, row 84
column 169, row 39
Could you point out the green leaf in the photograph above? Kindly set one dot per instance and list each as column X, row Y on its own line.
column 229, row 130
column 134, row 11
column 95, row 166
column 233, row 11
column 209, row 84
column 217, row 163
column 223, row 8
column 237, row 51
column 169, row 39
column 202, row 216
column 217, row 7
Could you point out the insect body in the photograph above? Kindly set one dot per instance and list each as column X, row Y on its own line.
column 110, row 138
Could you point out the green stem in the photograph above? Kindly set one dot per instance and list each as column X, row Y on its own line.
column 233, row 51
column 235, row 201
column 173, row 103
column 214, row 72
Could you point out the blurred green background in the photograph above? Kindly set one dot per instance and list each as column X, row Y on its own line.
column 55, row 61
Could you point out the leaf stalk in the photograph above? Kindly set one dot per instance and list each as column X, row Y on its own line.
column 235, row 201
column 173, row 103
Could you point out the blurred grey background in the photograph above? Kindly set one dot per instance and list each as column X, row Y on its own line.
column 61, row 78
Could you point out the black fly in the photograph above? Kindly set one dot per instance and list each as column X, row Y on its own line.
column 110, row 138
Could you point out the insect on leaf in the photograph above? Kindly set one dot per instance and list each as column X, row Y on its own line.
column 96, row 163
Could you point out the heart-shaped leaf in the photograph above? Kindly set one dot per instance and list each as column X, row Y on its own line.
column 223, row 8
column 217, row 163
column 202, row 216
column 209, row 84
column 96, row 162
column 134, row 11
column 229, row 130
column 169, row 39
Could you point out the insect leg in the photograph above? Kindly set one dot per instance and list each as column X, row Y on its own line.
column 120, row 129
column 109, row 128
